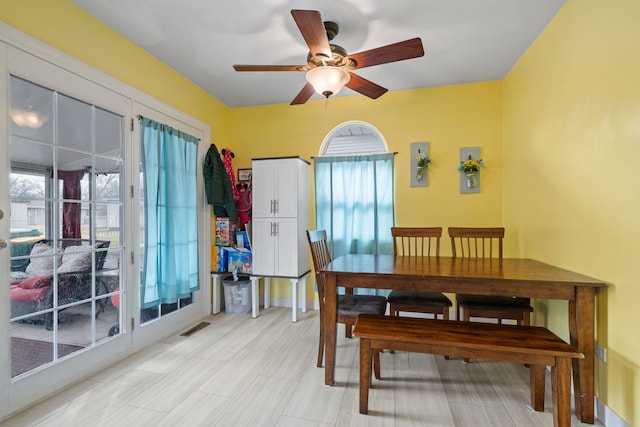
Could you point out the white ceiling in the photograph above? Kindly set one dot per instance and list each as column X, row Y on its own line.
column 464, row 40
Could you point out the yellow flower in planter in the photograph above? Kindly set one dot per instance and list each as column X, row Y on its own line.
column 471, row 166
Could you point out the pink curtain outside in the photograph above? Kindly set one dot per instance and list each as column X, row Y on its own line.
column 71, row 212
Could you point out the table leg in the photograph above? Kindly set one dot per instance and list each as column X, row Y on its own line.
column 365, row 374
column 215, row 302
column 536, row 386
column 294, row 300
column 582, row 331
column 330, row 328
column 267, row 292
column 255, row 295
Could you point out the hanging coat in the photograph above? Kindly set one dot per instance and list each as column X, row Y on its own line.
column 218, row 186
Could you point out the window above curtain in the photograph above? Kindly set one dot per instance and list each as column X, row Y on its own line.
column 353, row 138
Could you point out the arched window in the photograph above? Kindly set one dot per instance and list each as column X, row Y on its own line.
column 354, row 137
column 354, row 191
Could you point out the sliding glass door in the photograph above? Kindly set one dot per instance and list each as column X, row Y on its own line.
column 64, row 151
column 72, row 226
column 66, row 235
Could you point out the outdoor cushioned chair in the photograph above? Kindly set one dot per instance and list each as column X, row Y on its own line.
column 32, row 281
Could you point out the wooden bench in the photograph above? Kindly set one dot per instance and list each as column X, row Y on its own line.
column 532, row 345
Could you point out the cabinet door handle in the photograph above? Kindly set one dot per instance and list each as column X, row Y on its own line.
column 275, row 227
column 275, row 206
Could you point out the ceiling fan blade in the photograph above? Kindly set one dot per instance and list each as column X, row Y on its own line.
column 365, row 87
column 270, row 67
column 400, row 51
column 310, row 24
column 304, row 95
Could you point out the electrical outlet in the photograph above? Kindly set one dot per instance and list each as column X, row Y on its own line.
column 601, row 352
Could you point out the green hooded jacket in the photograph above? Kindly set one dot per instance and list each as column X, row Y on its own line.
column 218, row 185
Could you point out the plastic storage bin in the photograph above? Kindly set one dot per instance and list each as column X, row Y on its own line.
column 237, row 296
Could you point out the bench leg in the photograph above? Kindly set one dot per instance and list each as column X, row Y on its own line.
column 445, row 316
column 561, row 391
column 466, row 317
column 536, row 379
column 365, row 374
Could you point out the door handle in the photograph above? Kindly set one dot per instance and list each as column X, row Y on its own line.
column 3, row 244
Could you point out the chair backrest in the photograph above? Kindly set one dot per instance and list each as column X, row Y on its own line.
column 468, row 242
column 321, row 257
column 416, row 241
column 101, row 255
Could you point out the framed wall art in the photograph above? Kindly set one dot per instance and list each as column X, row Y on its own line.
column 244, row 175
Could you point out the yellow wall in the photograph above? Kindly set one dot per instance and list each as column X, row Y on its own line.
column 558, row 138
column 447, row 117
column 67, row 27
column 571, row 188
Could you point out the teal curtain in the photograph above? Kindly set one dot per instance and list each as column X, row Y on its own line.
column 355, row 204
column 170, row 264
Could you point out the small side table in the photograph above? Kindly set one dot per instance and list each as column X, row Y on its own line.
column 267, row 294
column 217, row 279
column 255, row 303
column 216, row 294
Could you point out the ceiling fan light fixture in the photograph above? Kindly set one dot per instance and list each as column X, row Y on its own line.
column 27, row 118
column 328, row 80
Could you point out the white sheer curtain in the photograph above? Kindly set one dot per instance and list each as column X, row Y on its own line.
column 355, row 203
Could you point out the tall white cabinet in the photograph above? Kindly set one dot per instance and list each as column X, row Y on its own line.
column 280, row 216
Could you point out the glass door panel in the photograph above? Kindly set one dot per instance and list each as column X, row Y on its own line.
column 66, row 198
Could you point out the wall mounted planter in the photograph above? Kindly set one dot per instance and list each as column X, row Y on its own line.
column 419, row 164
column 469, row 182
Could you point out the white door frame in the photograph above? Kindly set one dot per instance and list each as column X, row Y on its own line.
column 155, row 330
column 33, row 60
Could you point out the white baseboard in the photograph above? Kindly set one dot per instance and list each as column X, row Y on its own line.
column 607, row 417
column 286, row 302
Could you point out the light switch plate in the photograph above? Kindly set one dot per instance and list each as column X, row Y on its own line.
column 601, row 352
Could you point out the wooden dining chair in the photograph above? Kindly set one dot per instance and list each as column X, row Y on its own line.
column 468, row 242
column 350, row 306
column 418, row 242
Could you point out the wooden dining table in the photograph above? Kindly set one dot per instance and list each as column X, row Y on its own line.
column 490, row 276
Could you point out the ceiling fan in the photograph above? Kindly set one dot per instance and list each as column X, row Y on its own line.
column 328, row 65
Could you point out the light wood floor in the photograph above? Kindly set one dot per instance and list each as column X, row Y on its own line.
column 240, row 371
